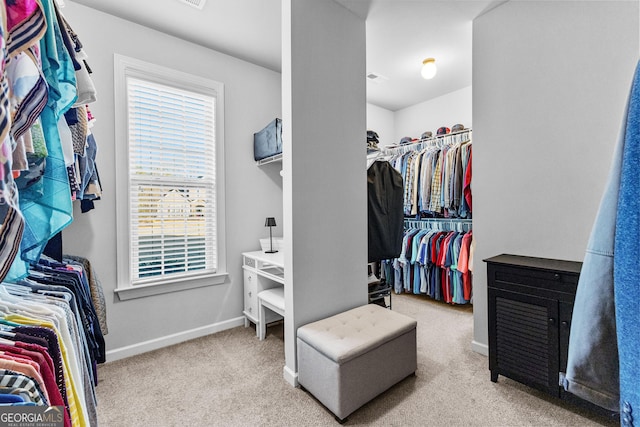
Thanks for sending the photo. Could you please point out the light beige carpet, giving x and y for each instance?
(233, 379)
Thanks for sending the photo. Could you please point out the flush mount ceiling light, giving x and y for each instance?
(429, 69)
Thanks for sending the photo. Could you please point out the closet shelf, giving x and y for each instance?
(437, 141)
(270, 159)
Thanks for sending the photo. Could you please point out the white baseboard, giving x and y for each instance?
(290, 376)
(156, 343)
(480, 348)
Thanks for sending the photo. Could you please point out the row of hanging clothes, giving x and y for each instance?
(52, 311)
(437, 175)
(52, 326)
(47, 150)
(437, 247)
(436, 261)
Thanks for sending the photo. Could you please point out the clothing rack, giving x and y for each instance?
(440, 224)
(60, 307)
(53, 317)
(437, 179)
(435, 141)
(39, 199)
(434, 263)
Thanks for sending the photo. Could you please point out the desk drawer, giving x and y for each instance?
(249, 262)
(251, 293)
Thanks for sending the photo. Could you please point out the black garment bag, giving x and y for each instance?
(385, 211)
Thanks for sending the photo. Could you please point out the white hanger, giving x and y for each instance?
(7, 342)
(6, 333)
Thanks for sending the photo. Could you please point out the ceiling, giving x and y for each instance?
(400, 34)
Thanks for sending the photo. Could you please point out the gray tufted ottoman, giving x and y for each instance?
(348, 359)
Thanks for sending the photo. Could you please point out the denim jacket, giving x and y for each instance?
(625, 269)
(604, 342)
(592, 363)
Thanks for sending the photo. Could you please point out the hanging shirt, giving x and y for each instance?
(13, 380)
(436, 185)
(48, 213)
(11, 218)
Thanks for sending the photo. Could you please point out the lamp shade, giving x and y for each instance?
(270, 222)
(429, 68)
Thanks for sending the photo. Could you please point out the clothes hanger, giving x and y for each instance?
(8, 299)
(14, 289)
(7, 333)
(7, 342)
(19, 296)
(9, 323)
(30, 304)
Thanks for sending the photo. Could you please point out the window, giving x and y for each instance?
(170, 140)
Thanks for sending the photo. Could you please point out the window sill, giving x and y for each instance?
(142, 291)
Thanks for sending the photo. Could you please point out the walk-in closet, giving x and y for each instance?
(415, 244)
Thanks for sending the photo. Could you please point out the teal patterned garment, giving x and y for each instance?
(48, 213)
(11, 220)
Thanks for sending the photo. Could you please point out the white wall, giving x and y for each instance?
(253, 98)
(382, 121)
(325, 189)
(550, 81)
(445, 110)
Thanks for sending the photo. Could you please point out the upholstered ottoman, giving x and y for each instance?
(348, 359)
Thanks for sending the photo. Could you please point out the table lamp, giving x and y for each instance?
(270, 222)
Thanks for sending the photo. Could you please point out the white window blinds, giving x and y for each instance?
(172, 187)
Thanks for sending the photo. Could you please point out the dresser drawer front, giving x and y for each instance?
(249, 262)
(251, 293)
(527, 276)
(530, 281)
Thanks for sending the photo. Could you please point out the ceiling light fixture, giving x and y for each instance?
(429, 69)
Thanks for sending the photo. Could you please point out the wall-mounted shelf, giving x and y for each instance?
(270, 159)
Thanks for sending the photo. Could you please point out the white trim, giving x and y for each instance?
(141, 291)
(479, 347)
(157, 343)
(125, 66)
(290, 376)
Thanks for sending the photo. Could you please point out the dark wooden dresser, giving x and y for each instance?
(530, 306)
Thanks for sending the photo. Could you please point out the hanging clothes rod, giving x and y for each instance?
(435, 141)
(440, 224)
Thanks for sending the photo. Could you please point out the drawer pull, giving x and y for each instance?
(556, 276)
(552, 320)
(250, 309)
(565, 323)
(250, 293)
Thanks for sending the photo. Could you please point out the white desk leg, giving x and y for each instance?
(246, 322)
(262, 320)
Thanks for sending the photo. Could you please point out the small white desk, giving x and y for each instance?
(261, 271)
